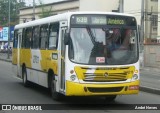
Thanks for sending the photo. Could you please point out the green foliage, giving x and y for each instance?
(45, 12)
(14, 11)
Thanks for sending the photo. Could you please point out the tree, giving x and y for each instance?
(45, 12)
(4, 9)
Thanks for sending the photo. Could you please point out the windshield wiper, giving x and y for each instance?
(91, 35)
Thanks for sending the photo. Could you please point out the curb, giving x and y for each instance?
(150, 90)
(5, 60)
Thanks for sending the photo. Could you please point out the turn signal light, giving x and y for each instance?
(71, 71)
(134, 87)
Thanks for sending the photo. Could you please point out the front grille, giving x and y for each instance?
(102, 90)
(100, 77)
(104, 74)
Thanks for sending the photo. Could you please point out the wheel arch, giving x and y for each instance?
(50, 77)
(23, 68)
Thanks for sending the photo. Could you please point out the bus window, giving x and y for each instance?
(23, 39)
(43, 36)
(28, 37)
(53, 36)
(35, 40)
(15, 40)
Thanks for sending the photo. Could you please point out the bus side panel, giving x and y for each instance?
(25, 60)
(14, 61)
(36, 66)
(14, 56)
(38, 63)
(52, 60)
(48, 62)
(25, 57)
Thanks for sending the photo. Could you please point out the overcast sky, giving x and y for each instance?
(30, 2)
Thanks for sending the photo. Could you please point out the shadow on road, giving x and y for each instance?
(77, 103)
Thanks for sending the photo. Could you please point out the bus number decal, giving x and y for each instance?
(35, 59)
(81, 20)
(100, 59)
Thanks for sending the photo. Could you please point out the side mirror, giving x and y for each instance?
(67, 38)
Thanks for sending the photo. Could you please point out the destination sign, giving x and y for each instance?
(115, 21)
(102, 20)
(99, 20)
(81, 20)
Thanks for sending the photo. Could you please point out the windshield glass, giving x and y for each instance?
(111, 46)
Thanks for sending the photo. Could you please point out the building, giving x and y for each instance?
(151, 19)
(26, 14)
(134, 7)
(150, 16)
(159, 20)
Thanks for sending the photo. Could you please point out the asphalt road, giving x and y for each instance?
(12, 91)
(150, 78)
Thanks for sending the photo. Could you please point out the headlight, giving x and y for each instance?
(73, 77)
(134, 77)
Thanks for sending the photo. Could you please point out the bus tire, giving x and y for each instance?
(24, 75)
(110, 98)
(55, 95)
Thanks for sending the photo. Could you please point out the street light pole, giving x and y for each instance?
(142, 35)
(151, 20)
(33, 10)
(8, 28)
(142, 23)
(121, 6)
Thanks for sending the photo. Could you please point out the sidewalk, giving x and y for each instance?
(149, 78)
(4, 57)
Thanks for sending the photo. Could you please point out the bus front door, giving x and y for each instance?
(63, 28)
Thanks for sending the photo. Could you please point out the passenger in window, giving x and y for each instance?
(112, 39)
(126, 42)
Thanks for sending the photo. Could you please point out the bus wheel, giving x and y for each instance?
(24, 75)
(54, 93)
(110, 98)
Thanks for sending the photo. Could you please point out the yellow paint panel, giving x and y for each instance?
(43, 60)
(25, 57)
(46, 60)
(80, 72)
(14, 56)
(52, 63)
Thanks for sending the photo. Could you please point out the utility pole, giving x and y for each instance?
(121, 6)
(142, 24)
(142, 35)
(151, 20)
(33, 10)
(8, 28)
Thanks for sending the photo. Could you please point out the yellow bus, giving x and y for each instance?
(79, 54)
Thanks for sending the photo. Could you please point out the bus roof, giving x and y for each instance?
(62, 17)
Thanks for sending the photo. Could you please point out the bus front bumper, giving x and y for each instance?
(77, 89)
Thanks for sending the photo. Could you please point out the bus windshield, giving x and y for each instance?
(103, 46)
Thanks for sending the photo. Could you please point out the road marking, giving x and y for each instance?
(17, 78)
